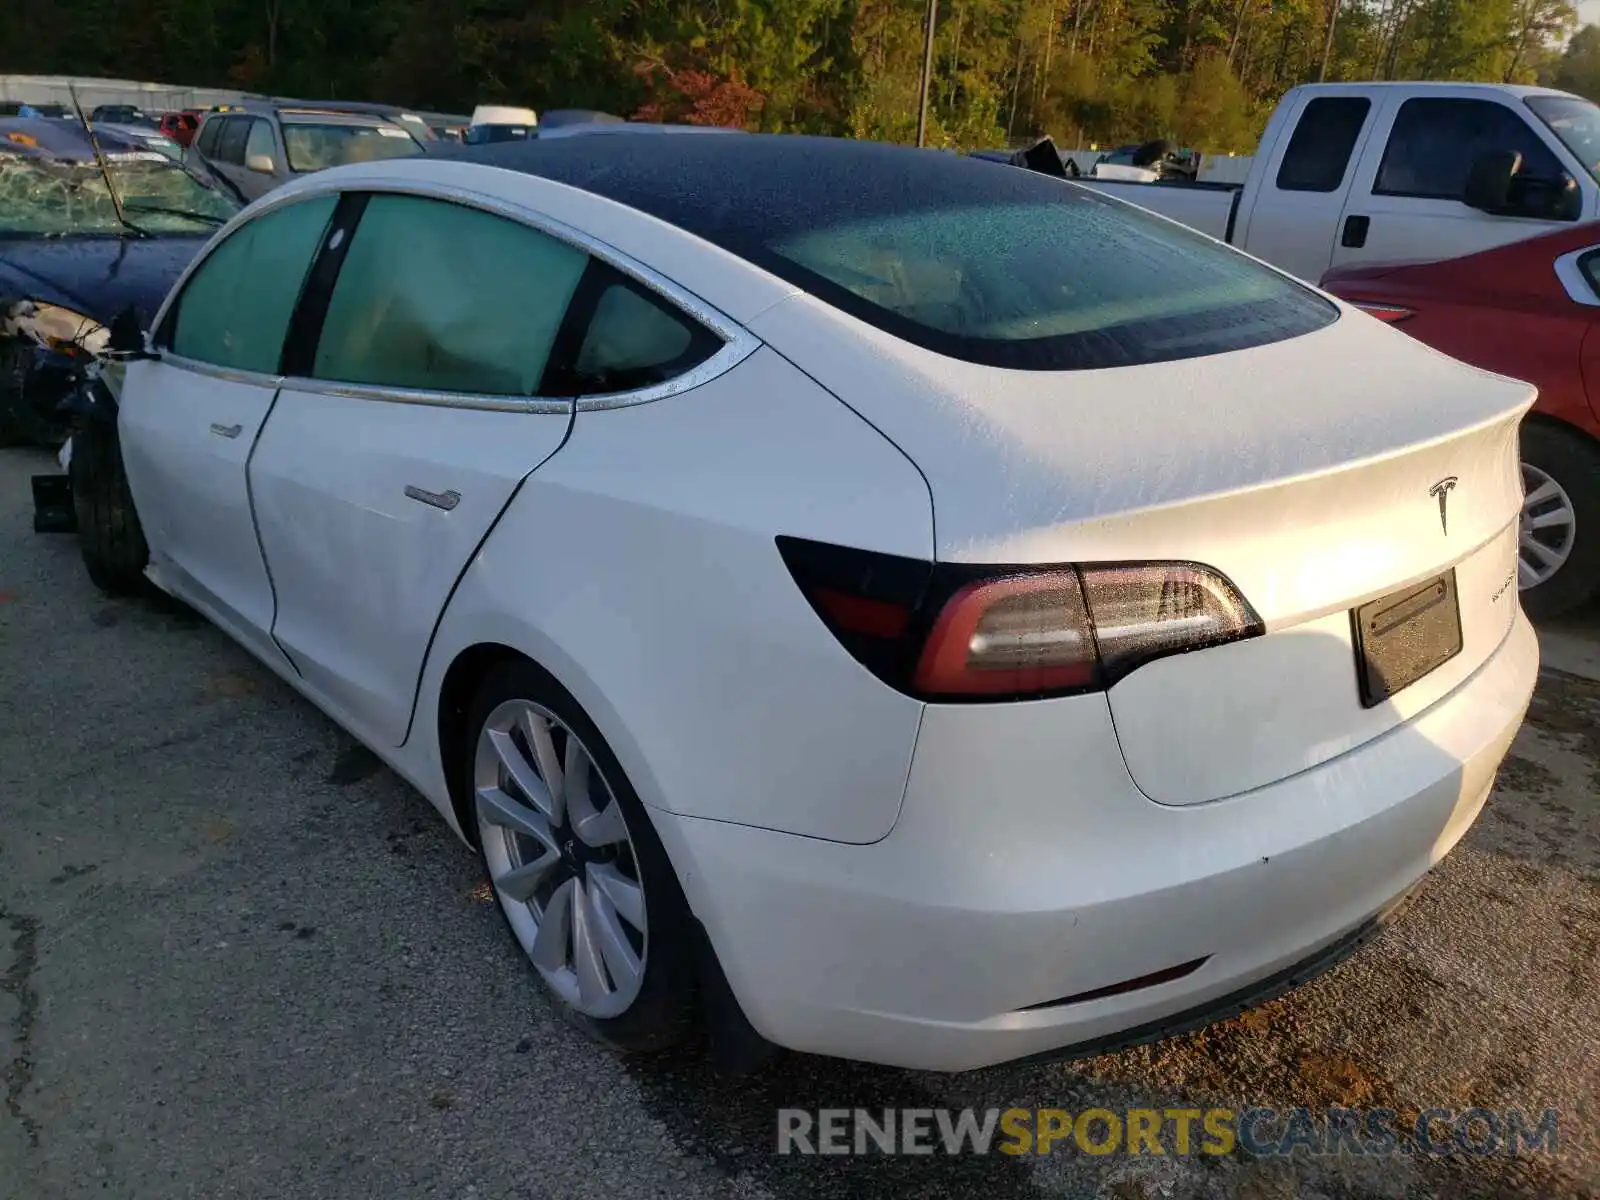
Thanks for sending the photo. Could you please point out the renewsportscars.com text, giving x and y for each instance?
(1261, 1132)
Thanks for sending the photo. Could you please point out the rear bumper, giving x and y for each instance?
(1026, 867)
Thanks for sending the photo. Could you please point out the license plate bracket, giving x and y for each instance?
(1401, 637)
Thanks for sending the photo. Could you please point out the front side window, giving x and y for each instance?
(235, 309)
(316, 147)
(439, 297)
(1435, 142)
(1319, 152)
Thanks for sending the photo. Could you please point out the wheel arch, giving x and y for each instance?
(462, 680)
(471, 663)
(1561, 425)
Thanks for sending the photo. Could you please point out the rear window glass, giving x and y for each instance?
(1068, 283)
(318, 147)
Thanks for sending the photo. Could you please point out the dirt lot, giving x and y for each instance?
(238, 958)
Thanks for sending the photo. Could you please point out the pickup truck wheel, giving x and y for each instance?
(1558, 551)
(110, 537)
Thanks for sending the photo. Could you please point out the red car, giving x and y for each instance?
(180, 126)
(1530, 310)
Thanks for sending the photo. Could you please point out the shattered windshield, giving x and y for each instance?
(45, 196)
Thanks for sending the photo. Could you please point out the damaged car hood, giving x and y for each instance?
(95, 276)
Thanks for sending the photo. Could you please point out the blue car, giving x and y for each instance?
(79, 244)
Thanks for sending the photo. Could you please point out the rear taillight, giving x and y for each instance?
(1391, 314)
(1016, 635)
(951, 632)
(1146, 611)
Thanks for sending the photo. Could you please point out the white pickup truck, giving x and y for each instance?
(1397, 172)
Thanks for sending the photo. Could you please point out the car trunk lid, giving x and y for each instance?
(1317, 474)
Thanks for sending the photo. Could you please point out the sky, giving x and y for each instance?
(1588, 10)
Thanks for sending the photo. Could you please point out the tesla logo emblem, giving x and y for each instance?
(1442, 490)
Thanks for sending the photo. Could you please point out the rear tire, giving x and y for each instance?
(519, 706)
(1570, 515)
(110, 537)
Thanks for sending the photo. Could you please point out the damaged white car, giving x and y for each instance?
(865, 600)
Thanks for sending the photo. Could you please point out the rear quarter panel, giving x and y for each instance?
(639, 567)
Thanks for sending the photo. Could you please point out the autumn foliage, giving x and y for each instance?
(696, 97)
(1201, 73)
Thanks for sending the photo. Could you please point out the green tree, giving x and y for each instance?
(1578, 68)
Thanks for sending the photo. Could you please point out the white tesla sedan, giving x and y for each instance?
(927, 611)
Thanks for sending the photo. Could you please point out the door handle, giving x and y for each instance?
(227, 431)
(1355, 232)
(444, 500)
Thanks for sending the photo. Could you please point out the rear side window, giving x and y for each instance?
(482, 135)
(1319, 152)
(439, 297)
(1073, 282)
(1434, 143)
(230, 142)
(234, 311)
(632, 339)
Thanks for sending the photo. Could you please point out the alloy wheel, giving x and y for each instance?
(561, 858)
(1548, 528)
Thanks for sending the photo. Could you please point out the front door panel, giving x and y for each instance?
(1406, 200)
(369, 510)
(186, 441)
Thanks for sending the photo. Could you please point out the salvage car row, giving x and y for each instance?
(912, 609)
(87, 230)
(95, 223)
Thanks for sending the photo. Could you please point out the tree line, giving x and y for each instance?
(1204, 73)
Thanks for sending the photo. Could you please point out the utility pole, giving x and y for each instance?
(927, 73)
(1327, 45)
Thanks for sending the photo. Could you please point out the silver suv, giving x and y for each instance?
(258, 146)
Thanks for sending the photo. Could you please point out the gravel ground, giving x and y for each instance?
(240, 958)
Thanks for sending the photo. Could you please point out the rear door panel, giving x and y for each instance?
(369, 510)
(1291, 222)
(407, 423)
